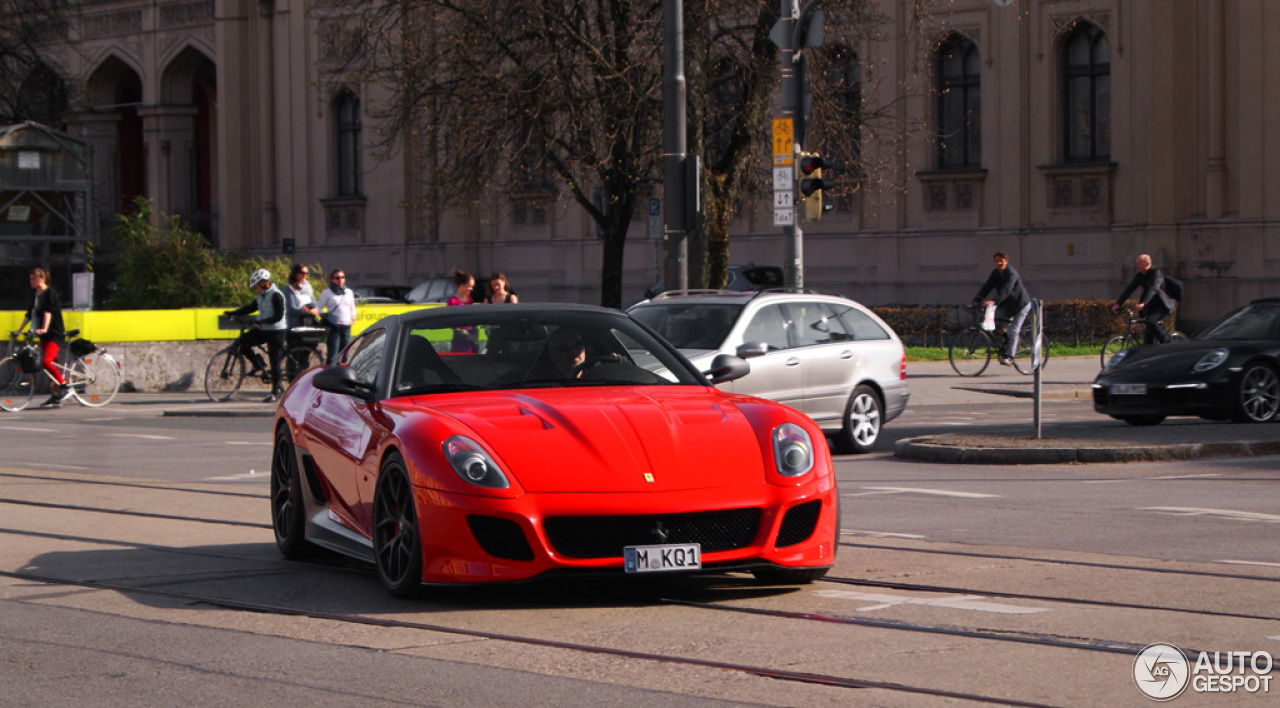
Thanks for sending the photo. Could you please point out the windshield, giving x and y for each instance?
(1257, 321)
(492, 347)
(690, 325)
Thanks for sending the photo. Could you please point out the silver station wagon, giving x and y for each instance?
(824, 355)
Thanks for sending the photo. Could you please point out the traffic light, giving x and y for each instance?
(812, 184)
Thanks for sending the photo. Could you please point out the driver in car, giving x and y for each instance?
(567, 352)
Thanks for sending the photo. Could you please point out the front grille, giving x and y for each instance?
(606, 536)
(799, 523)
(500, 538)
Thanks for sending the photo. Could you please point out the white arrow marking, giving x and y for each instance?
(882, 601)
(1224, 513)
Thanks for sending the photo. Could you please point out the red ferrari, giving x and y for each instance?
(498, 443)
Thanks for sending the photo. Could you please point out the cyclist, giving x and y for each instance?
(46, 322)
(270, 326)
(1155, 304)
(1010, 298)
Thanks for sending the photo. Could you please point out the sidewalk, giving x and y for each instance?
(935, 383)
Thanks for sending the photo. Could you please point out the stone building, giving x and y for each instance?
(1071, 134)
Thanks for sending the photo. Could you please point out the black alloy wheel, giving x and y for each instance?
(397, 546)
(288, 511)
(1258, 394)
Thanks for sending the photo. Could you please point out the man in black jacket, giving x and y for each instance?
(1010, 298)
(1154, 305)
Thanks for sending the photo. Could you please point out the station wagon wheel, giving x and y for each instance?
(397, 546)
(862, 419)
(288, 512)
(1258, 395)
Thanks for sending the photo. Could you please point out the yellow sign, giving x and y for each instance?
(783, 142)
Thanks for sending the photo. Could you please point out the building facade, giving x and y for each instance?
(1071, 134)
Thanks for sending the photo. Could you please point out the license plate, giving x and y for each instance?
(662, 558)
(1129, 389)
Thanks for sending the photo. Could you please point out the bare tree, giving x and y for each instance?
(29, 88)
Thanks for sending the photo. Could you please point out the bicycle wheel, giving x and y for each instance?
(1117, 343)
(970, 352)
(298, 360)
(16, 386)
(1022, 361)
(225, 373)
(94, 379)
(1176, 336)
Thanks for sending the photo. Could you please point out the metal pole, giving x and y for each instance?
(674, 147)
(1037, 359)
(792, 234)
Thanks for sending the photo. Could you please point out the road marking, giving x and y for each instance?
(144, 437)
(881, 534)
(914, 490)
(101, 420)
(47, 464)
(251, 474)
(27, 430)
(1262, 563)
(976, 603)
(1224, 513)
(1147, 479)
(246, 442)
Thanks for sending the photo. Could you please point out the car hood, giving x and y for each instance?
(612, 440)
(1178, 358)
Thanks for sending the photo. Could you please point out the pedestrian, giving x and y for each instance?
(464, 338)
(1010, 299)
(500, 290)
(45, 318)
(464, 283)
(269, 327)
(338, 303)
(300, 298)
(1154, 305)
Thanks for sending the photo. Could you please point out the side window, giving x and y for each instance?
(816, 324)
(365, 355)
(769, 325)
(860, 325)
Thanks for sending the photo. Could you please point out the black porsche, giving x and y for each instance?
(1229, 371)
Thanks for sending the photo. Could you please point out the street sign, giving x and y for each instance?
(784, 217)
(655, 218)
(783, 179)
(784, 199)
(783, 141)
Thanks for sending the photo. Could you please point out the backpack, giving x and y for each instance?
(1173, 287)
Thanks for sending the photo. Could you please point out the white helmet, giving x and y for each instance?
(259, 275)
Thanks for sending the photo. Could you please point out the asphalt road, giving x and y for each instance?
(137, 565)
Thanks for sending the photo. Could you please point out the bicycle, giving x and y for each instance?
(227, 368)
(93, 375)
(972, 347)
(1134, 331)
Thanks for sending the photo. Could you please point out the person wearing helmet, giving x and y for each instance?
(269, 326)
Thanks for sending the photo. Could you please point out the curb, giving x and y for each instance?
(938, 449)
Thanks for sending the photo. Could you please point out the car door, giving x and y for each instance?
(342, 435)
(776, 373)
(827, 357)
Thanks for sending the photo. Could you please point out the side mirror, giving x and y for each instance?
(727, 367)
(340, 379)
(749, 350)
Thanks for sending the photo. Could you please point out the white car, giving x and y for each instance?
(824, 355)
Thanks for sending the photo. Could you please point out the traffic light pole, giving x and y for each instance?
(675, 149)
(792, 234)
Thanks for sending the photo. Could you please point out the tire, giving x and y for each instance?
(783, 576)
(288, 510)
(397, 546)
(95, 379)
(970, 352)
(1116, 344)
(1141, 420)
(16, 386)
(863, 416)
(1257, 395)
(298, 360)
(1022, 361)
(223, 376)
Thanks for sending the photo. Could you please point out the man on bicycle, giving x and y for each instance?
(1155, 304)
(270, 326)
(1011, 301)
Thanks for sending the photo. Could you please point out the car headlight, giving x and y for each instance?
(792, 450)
(473, 464)
(1209, 361)
(1116, 359)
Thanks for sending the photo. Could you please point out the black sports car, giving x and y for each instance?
(1229, 371)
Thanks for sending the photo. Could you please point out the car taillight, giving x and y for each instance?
(902, 373)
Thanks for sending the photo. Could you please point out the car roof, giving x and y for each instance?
(737, 297)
